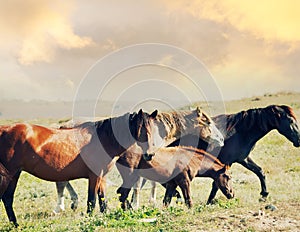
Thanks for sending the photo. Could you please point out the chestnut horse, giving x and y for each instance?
(87, 151)
(241, 132)
(171, 126)
(178, 166)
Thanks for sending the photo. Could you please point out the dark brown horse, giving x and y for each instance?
(177, 166)
(87, 151)
(171, 126)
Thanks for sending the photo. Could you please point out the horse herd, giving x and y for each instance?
(169, 148)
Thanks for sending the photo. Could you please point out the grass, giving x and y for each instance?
(35, 199)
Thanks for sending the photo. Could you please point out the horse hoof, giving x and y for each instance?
(58, 209)
(74, 206)
(212, 202)
(264, 194)
(271, 207)
(262, 199)
(179, 201)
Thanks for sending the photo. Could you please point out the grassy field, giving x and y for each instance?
(35, 199)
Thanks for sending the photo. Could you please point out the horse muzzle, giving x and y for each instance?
(230, 194)
(148, 157)
(297, 144)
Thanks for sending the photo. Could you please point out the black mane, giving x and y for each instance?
(260, 118)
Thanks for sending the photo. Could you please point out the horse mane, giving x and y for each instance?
(262, 117)
(172, 122)
(231, 123)
(289, 111)
(176, 122)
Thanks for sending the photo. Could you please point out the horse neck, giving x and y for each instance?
(255, 123)
(210, 166)
(175, 125)
(114, 135)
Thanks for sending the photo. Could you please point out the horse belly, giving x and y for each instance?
(161, 174)
(75, 170)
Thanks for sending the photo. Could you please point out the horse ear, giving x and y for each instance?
(199, 111)
(140, 113)
(154, 114)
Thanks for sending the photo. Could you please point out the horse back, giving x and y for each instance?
(57, 148)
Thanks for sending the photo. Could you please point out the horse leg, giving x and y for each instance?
(213, 193)
(8, 198)
(74, 196)
(170, 189)
(135, 199)
(124, 191)
(152, 199)
(92, 191)
(175, 194)
(60, 206)
(186, 192)
(101, 194)
(4, 182)
(123, 195)
(250, 165)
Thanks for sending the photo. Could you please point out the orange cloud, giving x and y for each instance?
(266, 19)
(38, 27)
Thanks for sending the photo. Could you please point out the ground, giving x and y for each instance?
(35, 199)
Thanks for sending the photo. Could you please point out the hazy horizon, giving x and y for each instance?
(48, 47)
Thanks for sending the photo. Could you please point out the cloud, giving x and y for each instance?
(269, 20)
(38, 27)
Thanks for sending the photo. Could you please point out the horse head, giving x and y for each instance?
(224, 182)
(146, 132)
(208, 130)
(286, 123)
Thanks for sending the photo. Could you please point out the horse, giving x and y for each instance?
(241, 132)
(178, 166)
(171, 126)
(86, 151)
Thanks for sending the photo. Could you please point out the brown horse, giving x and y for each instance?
(87, 151)
(177, 166)
(172, 126)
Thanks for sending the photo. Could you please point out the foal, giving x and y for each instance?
(178, 166)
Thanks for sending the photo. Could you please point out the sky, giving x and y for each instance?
(48, 47)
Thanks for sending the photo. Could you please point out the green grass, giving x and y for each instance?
(35, 199)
